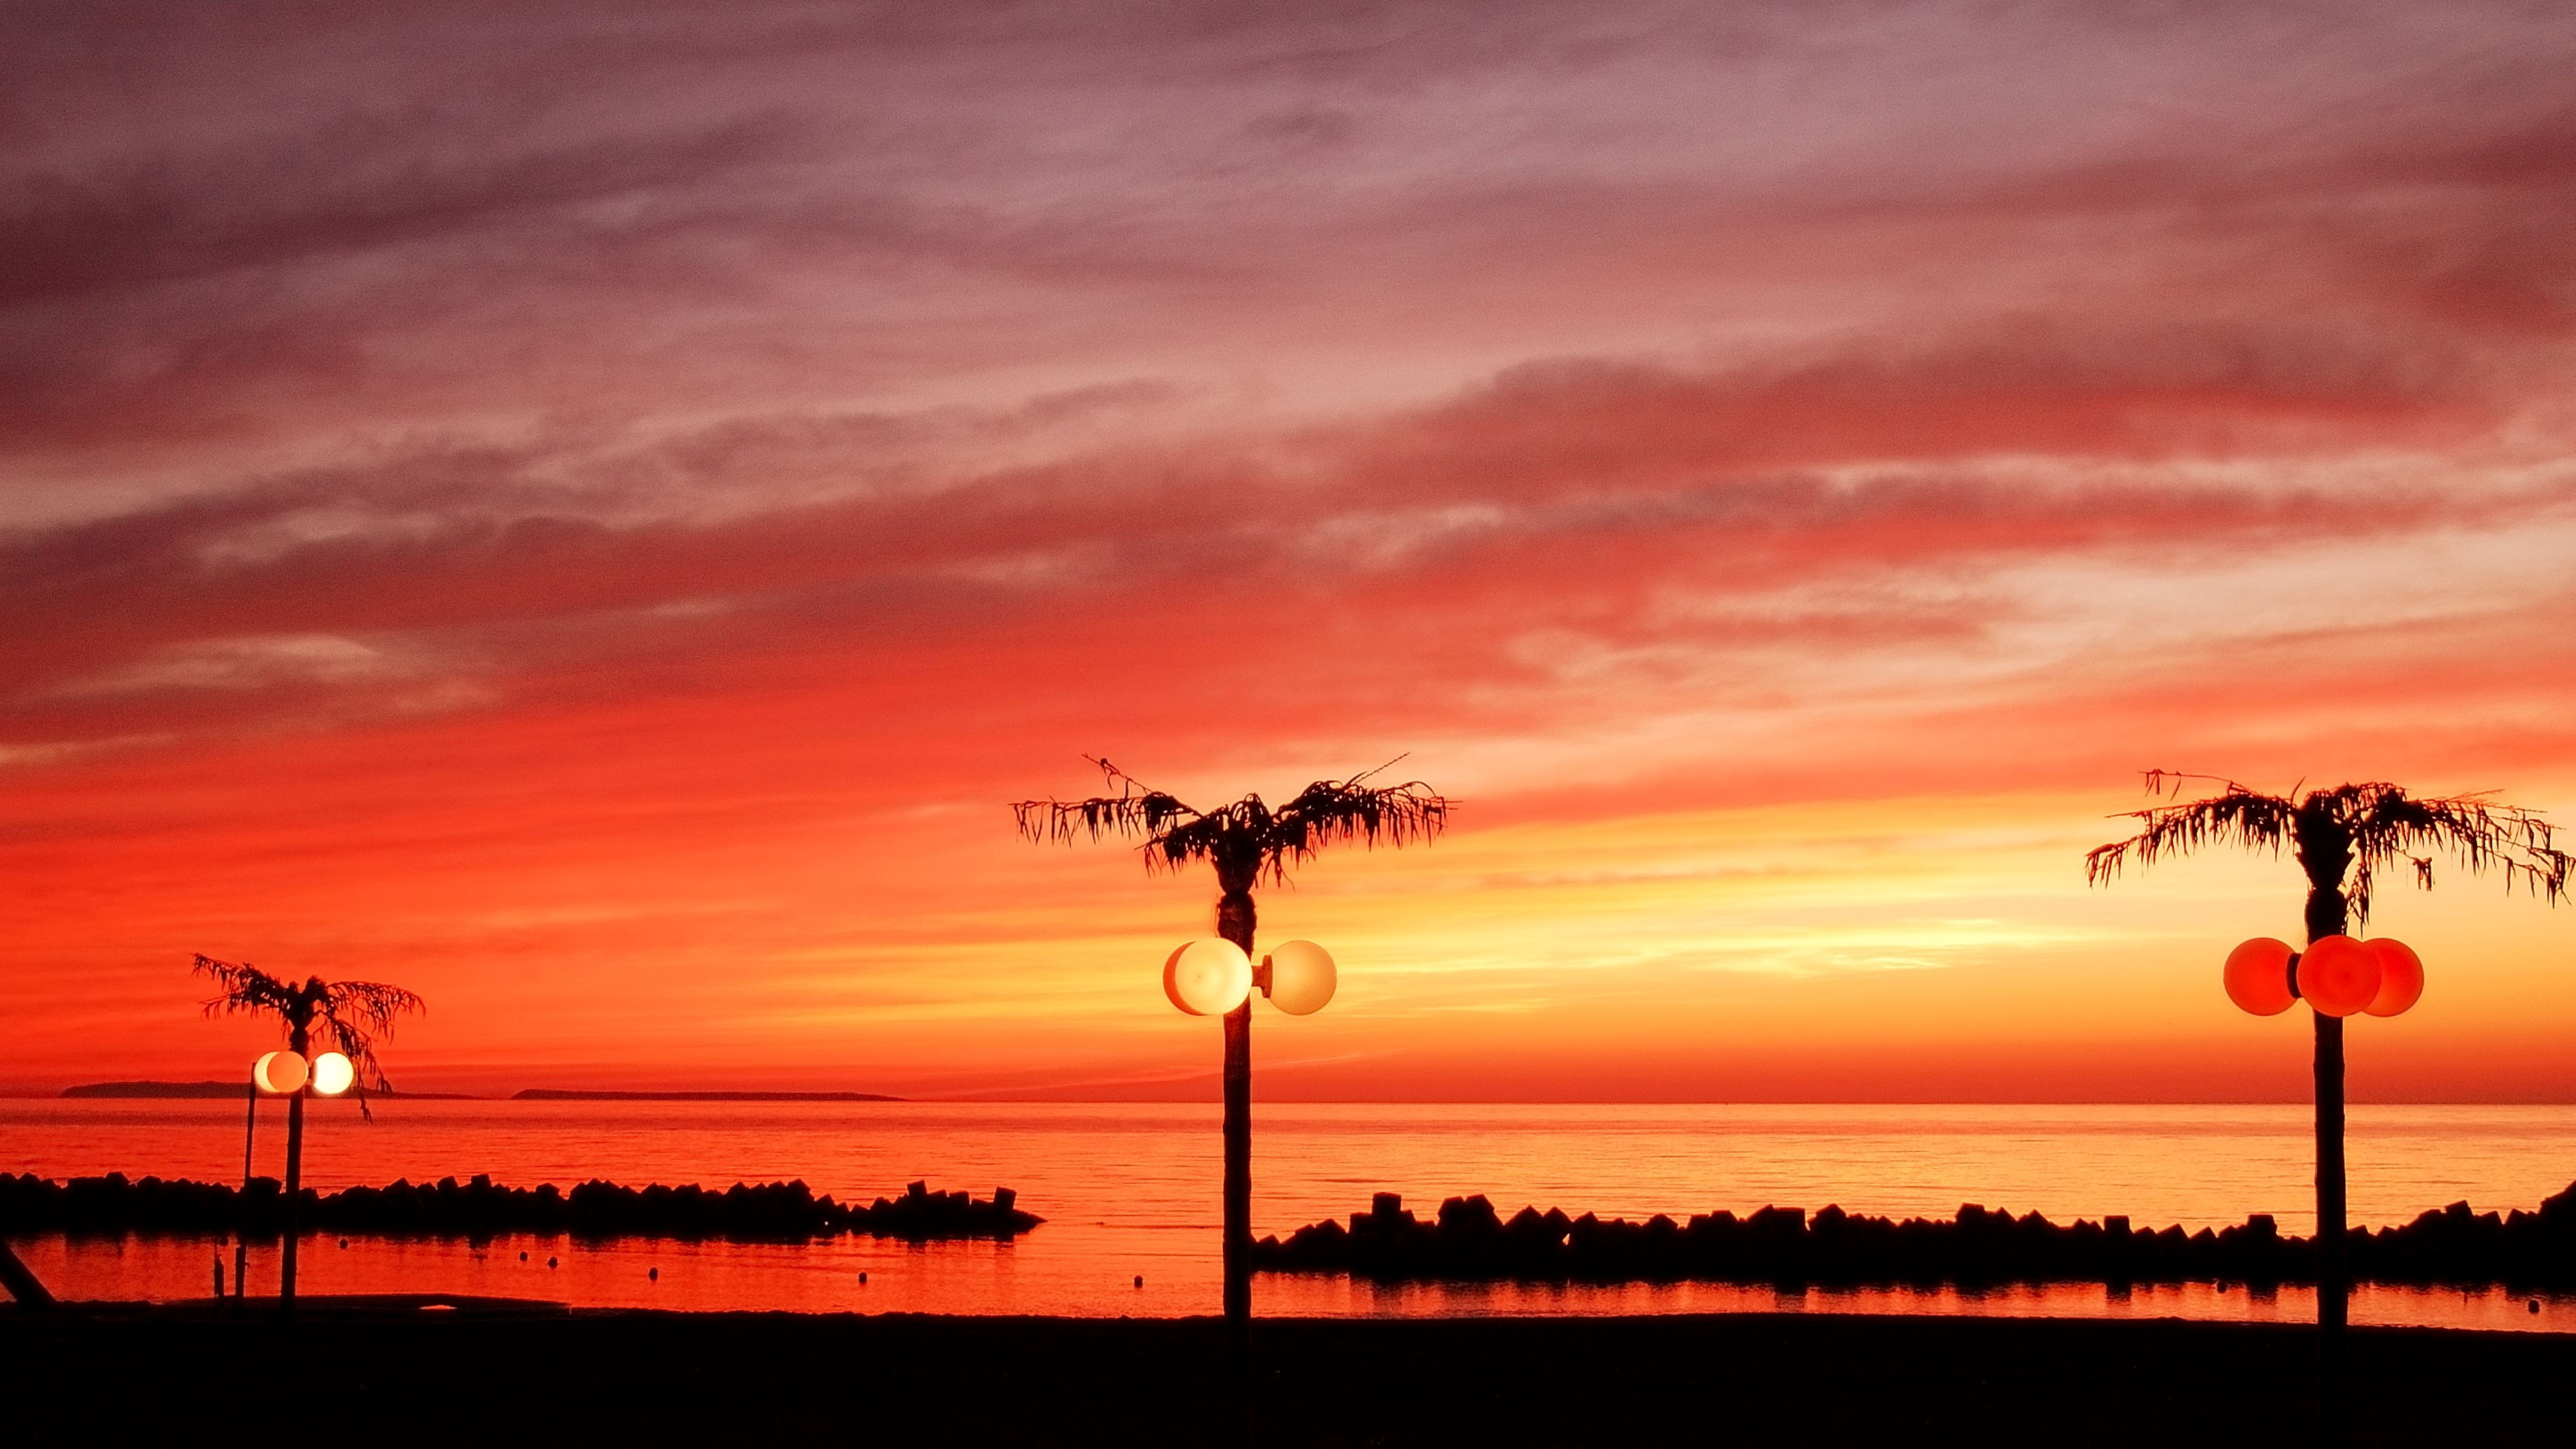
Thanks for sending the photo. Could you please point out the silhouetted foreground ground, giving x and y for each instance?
(395, 1375)
(1469, 1241)
(766, 1212)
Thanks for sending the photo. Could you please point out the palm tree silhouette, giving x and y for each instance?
(350, 1016)
(1249, 844)
(2342, 838)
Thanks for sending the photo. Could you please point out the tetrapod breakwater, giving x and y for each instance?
(1467, 1240)
(479, 1207)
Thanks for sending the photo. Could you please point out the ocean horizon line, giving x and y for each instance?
(233, 1091)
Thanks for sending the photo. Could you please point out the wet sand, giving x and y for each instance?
(385, 1372)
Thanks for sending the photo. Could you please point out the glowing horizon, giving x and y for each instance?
(593, 517)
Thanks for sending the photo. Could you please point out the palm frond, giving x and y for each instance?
(1246, 840)
(354, 1013)
(1331, 811)
(2354, 830)
(1134, 810)
(246, 988)
(350, 1015)
(2234, 815)
(2388, 825)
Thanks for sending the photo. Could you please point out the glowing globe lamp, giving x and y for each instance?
(2258, 976)
(278, 1072)
(1301, 977)
(2401, 977)
(2338, 975)
(332, 1074)
(1208, 977)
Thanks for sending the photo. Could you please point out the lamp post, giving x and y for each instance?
(290, 1075)
(2342, 838)
(2339, 977)
(272, 1074)
(1248, 842)
(1215, 977)
(352, 1014)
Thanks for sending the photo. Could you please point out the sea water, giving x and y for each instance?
(1131, 1190)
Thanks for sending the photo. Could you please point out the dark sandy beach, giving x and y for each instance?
(391, 1373)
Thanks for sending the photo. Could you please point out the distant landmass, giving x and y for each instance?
(220, 1089)
(233, 1090)
(557, 1094)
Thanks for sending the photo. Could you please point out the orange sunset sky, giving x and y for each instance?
(593, 511)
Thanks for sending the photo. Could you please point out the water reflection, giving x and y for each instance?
(1131, 1190)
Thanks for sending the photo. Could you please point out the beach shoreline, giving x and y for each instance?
(393, 1372)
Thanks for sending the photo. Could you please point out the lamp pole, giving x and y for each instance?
(1238, 1176)
(290, 1074)
(299, 1042)
(1236, 926)
(241, 1229)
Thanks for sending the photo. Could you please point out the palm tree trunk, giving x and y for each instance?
(2328, 914)
(302, 1045)
(2333, 1285)
(294, 1192)
(1236, 920)
(1238, 1167)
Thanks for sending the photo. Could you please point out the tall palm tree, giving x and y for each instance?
(350, 1015)
(1249, 843)
(2342, 838)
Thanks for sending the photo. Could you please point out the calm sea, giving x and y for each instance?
(1131, 1191)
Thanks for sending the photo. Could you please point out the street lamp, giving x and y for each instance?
(350, 1013)
(1215, 977)
(271, 1074)
(286, 1074)
(2338, 977)
(333, 1074)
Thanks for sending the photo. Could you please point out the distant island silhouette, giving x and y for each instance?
(228, 1090)
(233, 1090)
(563, 1094)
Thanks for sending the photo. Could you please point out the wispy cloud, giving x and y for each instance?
(660, 460)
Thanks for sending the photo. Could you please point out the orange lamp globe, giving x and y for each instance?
(2258, 976)
(278, 1072)
(1301, 977)
(2338, 975)
(2401, 977)
(333, 1074)
(1208, 977)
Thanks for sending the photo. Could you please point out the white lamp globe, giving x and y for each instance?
(278, 1072)
(1208, 977)
(1301, 977)
(332, 1074)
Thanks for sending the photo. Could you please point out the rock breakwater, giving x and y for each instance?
(1468, 1241)
(766, 1212)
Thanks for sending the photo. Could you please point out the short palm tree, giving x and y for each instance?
(2342, 838)
(1249, 843)
(350, 1015)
